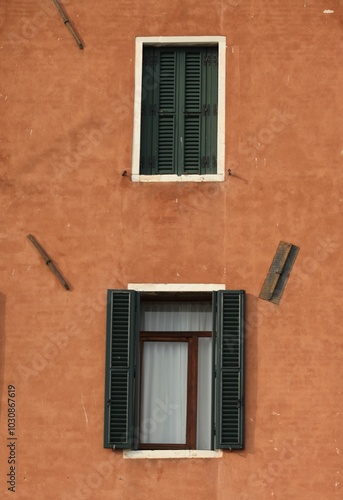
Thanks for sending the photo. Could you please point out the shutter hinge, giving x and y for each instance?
(206, 110)
(152, 109)
(207, 60)
(215, 59)
(108, 402)
(150, 59)
(151, 161)
(205, 161)
(215, 109)
(214, 162)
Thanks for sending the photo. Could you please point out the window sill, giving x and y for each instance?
(173, 454)
(178, 178)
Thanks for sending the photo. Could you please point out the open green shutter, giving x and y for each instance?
(120, 365)
(230, 370)
(214, 364)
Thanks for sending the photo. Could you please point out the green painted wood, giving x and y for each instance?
(193, 99)
(230, 370)
(167, 115)
(177, 135)
(148, 118)
(212, 117)
(214, 368)
(119, 387)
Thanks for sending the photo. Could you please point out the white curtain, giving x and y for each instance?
(164, 374)
(176, 317)
(204, 393)
(164, 391)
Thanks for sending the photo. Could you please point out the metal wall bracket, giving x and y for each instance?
(48, 261)
(206, 110)
(205, 161)
(68, 25)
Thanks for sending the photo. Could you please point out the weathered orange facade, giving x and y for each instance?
(67, 127)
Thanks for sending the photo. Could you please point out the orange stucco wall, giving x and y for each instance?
(67, 124)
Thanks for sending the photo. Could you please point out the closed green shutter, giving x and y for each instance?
(230, 370)
(166, 111)
(193, 119)
(120, 365)
(200, 110)
(179, 110)
(149, 124)
(210, 125)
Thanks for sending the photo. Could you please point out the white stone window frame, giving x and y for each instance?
(174, 287)
(220, 42)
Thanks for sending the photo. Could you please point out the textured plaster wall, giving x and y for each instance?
(67, 124)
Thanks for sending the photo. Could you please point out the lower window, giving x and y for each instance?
(175, 370)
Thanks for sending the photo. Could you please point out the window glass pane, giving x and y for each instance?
(176, 316)
(164, 392)
(204, 393)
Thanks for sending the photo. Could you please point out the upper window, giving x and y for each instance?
(175, 370)
(179, 109)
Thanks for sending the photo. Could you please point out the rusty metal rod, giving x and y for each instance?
(48, 261)
(67, 23)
